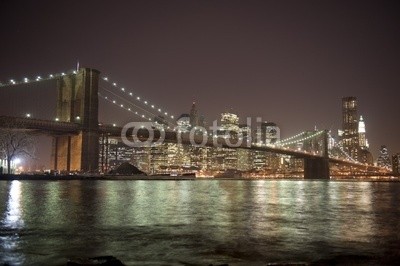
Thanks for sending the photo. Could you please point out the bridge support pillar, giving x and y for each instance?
(77, 102)
(316, 168)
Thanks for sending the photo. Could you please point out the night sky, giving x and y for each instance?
(289, 62)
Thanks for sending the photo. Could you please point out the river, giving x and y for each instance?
(197, 222)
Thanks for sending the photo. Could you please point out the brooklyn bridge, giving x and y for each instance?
(76, 130)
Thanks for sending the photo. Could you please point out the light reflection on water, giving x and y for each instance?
(199, 222)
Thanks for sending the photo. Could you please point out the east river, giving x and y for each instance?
(198, 222)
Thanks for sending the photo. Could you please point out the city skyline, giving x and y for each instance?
(223, 55)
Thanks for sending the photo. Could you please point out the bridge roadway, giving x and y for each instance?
(51, 127)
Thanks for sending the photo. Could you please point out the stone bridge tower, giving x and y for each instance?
(77, 102)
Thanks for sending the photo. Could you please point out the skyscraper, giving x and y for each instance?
(350, 126)
(194, 119)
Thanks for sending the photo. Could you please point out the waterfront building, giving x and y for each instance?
(396, 163)
(113, 153)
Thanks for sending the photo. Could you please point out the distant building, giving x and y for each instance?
(113, 153)
(229, 124)
(183, 123)
(194, 118)
(269, 133)
(396, 163)
(383, 158)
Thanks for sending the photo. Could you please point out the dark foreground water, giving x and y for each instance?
(197, 222)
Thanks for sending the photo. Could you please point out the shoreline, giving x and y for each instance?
(177, 178)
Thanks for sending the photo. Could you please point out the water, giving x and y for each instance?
(197, 222)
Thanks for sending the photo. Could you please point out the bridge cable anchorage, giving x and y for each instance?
(13, 82)
(139, 99)
(141, 115)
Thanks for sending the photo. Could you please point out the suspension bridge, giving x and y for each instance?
(76, 130)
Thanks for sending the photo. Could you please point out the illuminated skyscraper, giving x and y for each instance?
(350, 126)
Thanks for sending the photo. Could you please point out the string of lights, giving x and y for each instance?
(126, 100)
(303, 139)
(139, 99)
(290, 138)
(129, 109)
(27, 80)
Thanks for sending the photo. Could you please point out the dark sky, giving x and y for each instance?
(289, 62)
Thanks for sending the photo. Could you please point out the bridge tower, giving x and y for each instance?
(318, 167)
(77, 102)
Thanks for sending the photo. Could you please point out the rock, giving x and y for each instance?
(102, 260)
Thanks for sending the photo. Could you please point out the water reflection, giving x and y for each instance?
(11, 223)
(13, 216)
(235, 222)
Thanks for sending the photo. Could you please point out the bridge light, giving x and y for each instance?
(57, 119)
(78, 118)
(28, 115)
(105, 78)
(114, 84)
(129, 109)
(172, 116)
(159, 110)
(149, 119)
(106, 97)
(143, 116)
(166, 113)
(136, 113)
(130, 93)
(113, 101)
(145, 102)
(138, 98)
(122, 89)
(122, 105)
(114, 125)
(152, 106)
